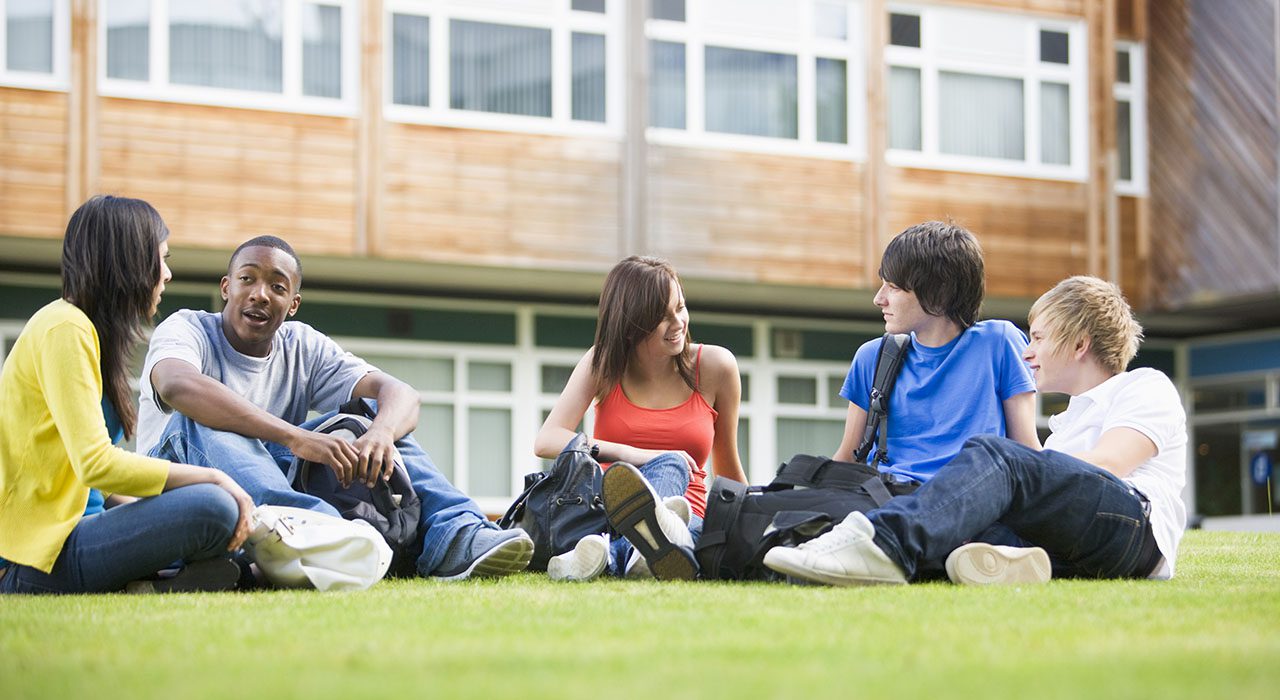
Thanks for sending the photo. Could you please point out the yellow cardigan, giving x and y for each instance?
(53, 442)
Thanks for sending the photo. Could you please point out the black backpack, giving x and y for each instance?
(561, 506)
(391, 507)
(807, 497)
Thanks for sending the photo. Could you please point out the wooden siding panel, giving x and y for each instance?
(33, 162)
(1062, 8)
(1032, 231)
(778, 219)
(481, 197)
(221, 175)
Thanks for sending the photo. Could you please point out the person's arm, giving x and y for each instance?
(397, 417)
(855, 422)
(1120, 451)
(208, 402)
(1020, 419)
(719, 363)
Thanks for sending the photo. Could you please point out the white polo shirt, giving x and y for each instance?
(1146, 401)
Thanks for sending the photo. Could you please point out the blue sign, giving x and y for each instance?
(1260, 468)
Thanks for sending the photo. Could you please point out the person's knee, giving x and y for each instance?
(212, 508)
(986, 442)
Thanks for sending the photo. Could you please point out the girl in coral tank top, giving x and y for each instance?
(663, 406)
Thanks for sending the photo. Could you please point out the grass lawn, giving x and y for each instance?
(1212, 632)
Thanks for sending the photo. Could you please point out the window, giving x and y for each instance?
(986, 92)
(297, 55)
(760, 75)
(1131, 120)
(506, 64)
(36, 43)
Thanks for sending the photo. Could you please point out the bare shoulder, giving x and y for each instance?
(718, 364)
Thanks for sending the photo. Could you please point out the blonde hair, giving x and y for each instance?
(1087, 307)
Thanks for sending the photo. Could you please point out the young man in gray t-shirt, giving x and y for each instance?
(233, 390)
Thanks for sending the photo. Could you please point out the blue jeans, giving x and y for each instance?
(1091, 523)
(260, 466)
(668, 474)
(109, 549)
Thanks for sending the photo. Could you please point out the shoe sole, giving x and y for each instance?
(559, 568)
(795, 570)
(631, 508)
(206, 575)
(982, 564)
(506, 558)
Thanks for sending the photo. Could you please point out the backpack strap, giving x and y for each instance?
(893, 352)
(724, 502)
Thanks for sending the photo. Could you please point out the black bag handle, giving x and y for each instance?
(893, 351)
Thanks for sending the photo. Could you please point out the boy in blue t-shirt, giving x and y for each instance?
(962, 377)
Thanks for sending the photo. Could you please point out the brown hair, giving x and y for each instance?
(1087, 307)
(633, 302)
(941, 263)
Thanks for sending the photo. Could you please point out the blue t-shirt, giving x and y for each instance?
(945, 395)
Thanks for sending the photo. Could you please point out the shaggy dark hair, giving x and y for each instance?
(942, 264)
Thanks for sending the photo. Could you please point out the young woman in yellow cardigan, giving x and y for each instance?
(64, 401)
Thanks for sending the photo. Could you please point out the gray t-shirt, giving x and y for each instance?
(306, 371)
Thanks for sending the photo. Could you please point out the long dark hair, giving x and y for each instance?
(110, 269)
(633, 302)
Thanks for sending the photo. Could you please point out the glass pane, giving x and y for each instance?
(904, 30)
(833, 101)
(744, 444)
(435, 435)
(834, 384)
(1122, 66)
(489, 376)
(1055, 123)
(745, 379)
(588, 77)
(321, 51)
(666, 84)
(1053, 47)
(129, 39)
(751, 92)
(798, 390)
(29, 35)
(226, 45)
(667, 9)
(831, 20)
(814, 436)
(554, 377)
(588, 5)
(421, 373)
(904, 108)
(1224, 483)
(489, 447)
(984, 116)
(500, 68)
(410, 59)
(1230, 396)
(1124, 140)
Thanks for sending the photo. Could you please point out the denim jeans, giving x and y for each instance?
(668, 474)
(260, 467)
(109, 549)
(1091, 523)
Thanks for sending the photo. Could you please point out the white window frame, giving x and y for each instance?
(1135, 93)
(290, 99)
(1032, 73)
(59, 79)
(563, 23)
(807, 49)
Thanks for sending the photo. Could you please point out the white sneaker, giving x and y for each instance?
(584, 562)
(654, 529)
(636, 567)
(982, 564)
(845, 556)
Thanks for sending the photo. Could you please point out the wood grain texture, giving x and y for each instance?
(33, 162)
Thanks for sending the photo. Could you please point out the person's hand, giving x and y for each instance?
(245, 523)
(332, 450)
(375, 451)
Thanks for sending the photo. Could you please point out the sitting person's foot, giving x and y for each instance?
(982, 564)
(636, 567)
(845, 556)
(215, 574)
(584, 562)
(656, 532)
(485, 551)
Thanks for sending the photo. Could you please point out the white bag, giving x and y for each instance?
(297, 548)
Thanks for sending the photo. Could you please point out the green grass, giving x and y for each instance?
(1212, 632)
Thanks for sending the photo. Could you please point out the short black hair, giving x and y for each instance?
(942, 264)
(267, 242)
